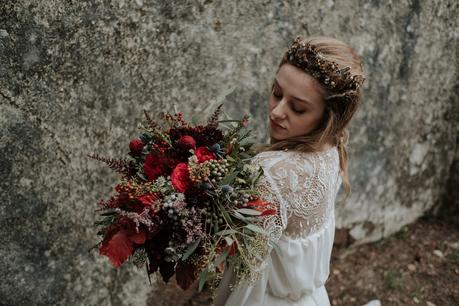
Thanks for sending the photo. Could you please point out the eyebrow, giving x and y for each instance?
(301, 100)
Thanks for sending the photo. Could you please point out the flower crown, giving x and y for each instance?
(305, 56)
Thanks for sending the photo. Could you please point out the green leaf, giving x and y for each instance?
(229, 178)
(221, 258)
(229, 240)
(202, 279)
(229, 158)
(142, 176)
(226, 232)
(225, 213)
(109, 213)
(248, 211)
(195, 120)
(191, 249)
(245, 155)
(260, 173)
(239, 216)
(256, 228)
(233, 120)
(247, 141)
(240, 180)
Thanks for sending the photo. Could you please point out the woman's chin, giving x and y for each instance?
(276, 135)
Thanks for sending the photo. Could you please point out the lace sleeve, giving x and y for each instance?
(297, 183)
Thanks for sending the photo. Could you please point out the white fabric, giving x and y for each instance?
(304, 188)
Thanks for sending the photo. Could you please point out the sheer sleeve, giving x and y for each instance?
(296, 183)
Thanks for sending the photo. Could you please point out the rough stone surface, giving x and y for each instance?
(76, 75)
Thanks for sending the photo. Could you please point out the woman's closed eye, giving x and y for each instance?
(278, 96)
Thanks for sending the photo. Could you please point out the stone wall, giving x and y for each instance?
(75, 77)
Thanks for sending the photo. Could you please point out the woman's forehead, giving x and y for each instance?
(298, 83)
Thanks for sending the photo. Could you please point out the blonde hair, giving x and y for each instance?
(338, 112)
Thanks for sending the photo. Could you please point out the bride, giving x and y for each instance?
(316, 91)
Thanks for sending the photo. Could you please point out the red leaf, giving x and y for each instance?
(185, 274)
(117, 248)
(221, 267)
(268, 212)
(137, 237)
(232, 249)
(166, 269)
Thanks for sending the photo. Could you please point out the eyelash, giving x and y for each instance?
(277, 96)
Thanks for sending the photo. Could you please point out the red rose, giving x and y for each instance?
(180, 177)
(136, 146)
(187, 142)
(203, 154)
(153, 166)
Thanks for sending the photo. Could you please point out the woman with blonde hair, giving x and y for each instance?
(315, 94)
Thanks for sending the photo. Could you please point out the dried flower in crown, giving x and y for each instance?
(305, 56)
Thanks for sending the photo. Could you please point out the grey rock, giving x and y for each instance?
(75, 78)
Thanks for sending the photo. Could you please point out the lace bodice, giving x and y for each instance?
(302, 185)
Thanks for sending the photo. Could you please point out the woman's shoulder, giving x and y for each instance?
(329, 151)
(298, 162)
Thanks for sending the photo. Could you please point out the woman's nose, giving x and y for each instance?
(278, 111)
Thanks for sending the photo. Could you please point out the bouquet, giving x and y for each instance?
(186, 202)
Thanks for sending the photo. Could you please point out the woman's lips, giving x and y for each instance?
(275, 125)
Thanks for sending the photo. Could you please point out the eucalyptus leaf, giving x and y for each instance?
(234, 120)
(239, 216)
(226, 232)
(229, 158)
(142, 176)
(248, 211)
(221, 258)
(247, 141)
(229, 240)
(256, 228)
(229, 178)
(225, 213)
(195, 120)
(191, 249)
(245, 155)
(202, 279)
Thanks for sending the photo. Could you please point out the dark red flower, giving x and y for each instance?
(154, 166)
(203, 154)
(136, 146)
(187, 142)
(180, 177)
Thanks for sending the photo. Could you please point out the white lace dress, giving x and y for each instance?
(304, 187)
